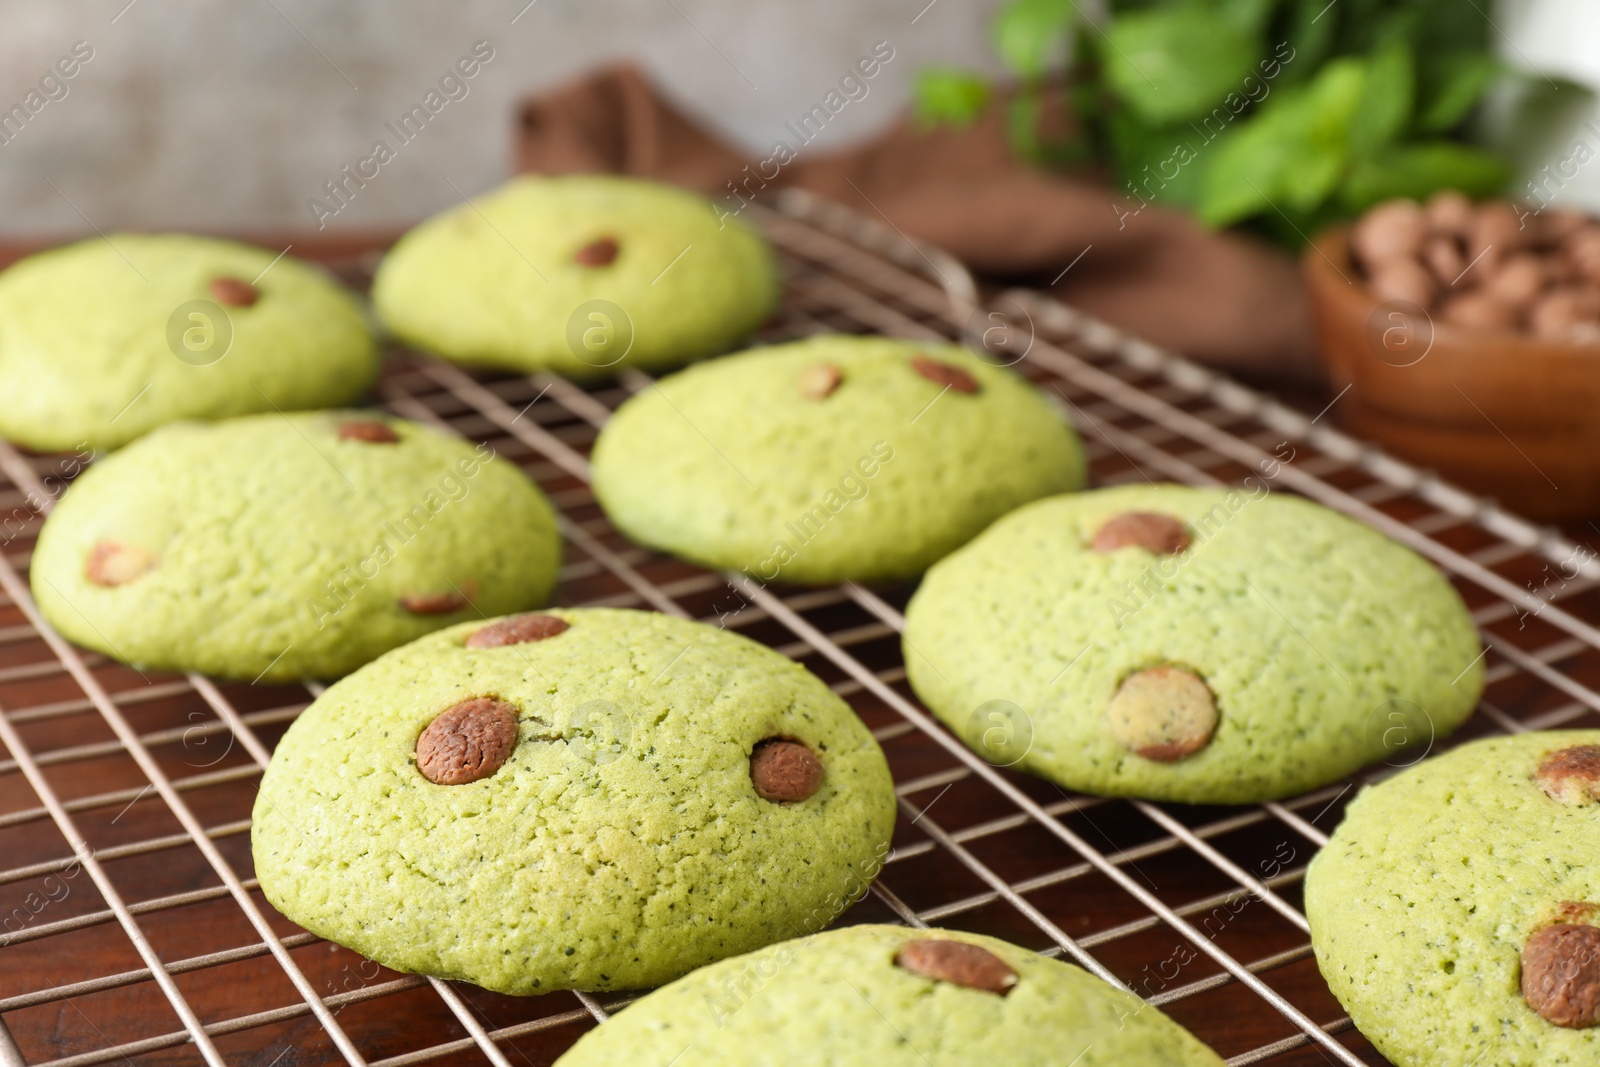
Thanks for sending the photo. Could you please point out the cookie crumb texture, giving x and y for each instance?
(502, 282)
(274, 547)
(1437, 891)
(1325, 645)
(83, 334)
(840, 998)
(731, 464)
(620, 845)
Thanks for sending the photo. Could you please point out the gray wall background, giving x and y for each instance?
(229, 114)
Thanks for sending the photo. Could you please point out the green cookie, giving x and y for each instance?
(598, 816)
(1435, 908)
(887, 996)
(837, 458)
(1203, 645)
(293, 546)
(584, 275)
(104, 340)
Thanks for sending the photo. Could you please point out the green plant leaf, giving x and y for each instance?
(1445, 26)
(1386, 95)
(1251, 15)
(1173, 63)
(1156, 162)
(1290, 155)
(949, 96)
(1027, 33)
(1418, 170)
(1308, 38)
(1450, 85)
(1022, 123)
(1247, 172)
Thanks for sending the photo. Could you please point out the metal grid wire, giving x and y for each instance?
(132, 927)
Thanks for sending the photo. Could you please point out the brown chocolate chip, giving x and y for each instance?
(1478, 311)
(1163, 714)
(1402, 279)
(467, 741)
(819, 380)
(517, 630)
(1392, 230)
(234, 292)
(949, 374)
(1576, 911)
(784, 771)
(439, 603)
(1571, 775)
(1517, 281)
(368, 430)
(1561, 974)
(113, 563)
(1559, 313)
(958, 963)
(599, 253)
(1161, 534)
(1443, 257)
(1449, 212)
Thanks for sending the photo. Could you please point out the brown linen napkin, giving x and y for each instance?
(1227, 299)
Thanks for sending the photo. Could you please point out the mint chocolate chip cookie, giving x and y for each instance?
(1456, 911)
(584, 275)
(107, 339)
(580, 799)
(836, 458)
(890, 996)
(275, 547)
(1201, 645)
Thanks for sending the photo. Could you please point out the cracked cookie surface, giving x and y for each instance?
(1454, 911)
(104, 340)
(275, 547)
(587, 275)
(847, 997)
(1311, 645)
(866, 469)
(622, 841)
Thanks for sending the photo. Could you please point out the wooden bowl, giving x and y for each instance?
(1501, 414)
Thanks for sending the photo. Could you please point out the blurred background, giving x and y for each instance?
(1305, 193)
(216, 115)
(227, 115)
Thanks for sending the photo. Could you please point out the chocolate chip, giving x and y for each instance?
(1478, 311)
(949, 374)
(958, 963)
(1576, 911)
(819, 380)
(1161, 534)
(1392, 230)
(233, 292)
(1571, 775)
(467, 741)
(517, 630)
(435, 603)
(784, 771)
(1163, 714)
(599, 253)
(369, 430)
(1402, 279)
(112, 563)
(1561, 975)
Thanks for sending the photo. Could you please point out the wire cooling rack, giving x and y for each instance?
(131, 927)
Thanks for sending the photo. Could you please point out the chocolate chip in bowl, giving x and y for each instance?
(1465, 338)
